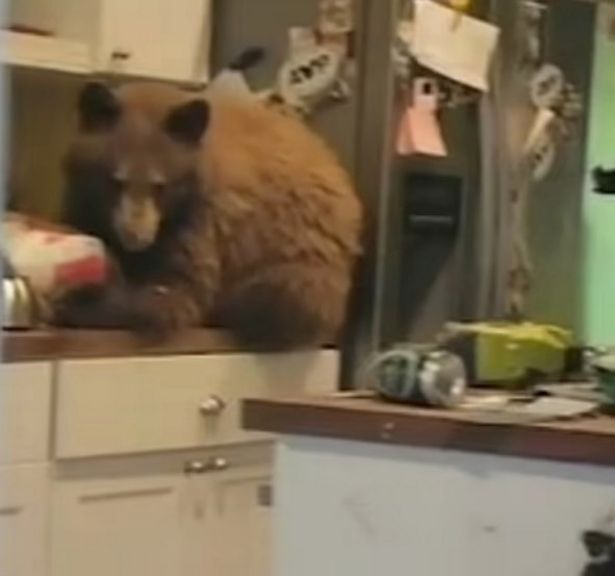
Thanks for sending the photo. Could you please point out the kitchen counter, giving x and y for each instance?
(589, 440)
(375, 487)
(50, 344)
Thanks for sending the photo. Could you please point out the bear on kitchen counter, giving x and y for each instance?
(214, 213)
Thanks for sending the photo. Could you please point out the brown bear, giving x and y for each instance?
(214, 212)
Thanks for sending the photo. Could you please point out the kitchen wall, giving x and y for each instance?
(599, 211)
(42, 117)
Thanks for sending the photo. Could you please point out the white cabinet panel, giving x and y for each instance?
(147, 515)
(122, 518)
(24, 492)
(364, 509)
(160, 39)
(157, 38)
(25, 396)
(241, 522)
(120, 406)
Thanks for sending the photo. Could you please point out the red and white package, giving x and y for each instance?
(54, 259)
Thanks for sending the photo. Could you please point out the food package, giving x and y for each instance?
(53, 259)
(509, 353)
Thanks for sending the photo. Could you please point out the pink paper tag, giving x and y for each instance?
(419, 130)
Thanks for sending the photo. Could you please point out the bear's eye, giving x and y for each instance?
(115, 186)
(120, 173)
(158, 188)
(158, 183)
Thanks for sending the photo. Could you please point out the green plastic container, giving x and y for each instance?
(604, 367)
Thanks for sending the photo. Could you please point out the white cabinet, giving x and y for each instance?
(25, 408)
(154, 474)
(363, 509)
(240, 512)
(182, 514)
(139, 465)
(24, 532)
(159, 39)
(166, 39)
(120, 518)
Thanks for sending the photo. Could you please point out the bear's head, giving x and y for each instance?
(136, 155)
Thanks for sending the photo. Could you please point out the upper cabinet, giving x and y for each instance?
(157, 39)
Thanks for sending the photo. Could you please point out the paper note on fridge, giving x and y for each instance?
(419, 133)
(419, 130)
(457, 46)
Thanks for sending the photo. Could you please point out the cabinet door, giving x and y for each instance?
(240, 522)
(173, 514)
(23, 520)
(128, 517)
(25, 408)
(156, 39)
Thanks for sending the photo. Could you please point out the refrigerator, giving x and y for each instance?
(438, 230)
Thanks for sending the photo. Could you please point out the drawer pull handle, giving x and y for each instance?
(213, 406)
(120, 55)
(216, 464)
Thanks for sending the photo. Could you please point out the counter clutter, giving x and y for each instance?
(500, 372)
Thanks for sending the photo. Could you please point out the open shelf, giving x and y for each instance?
(43, 52)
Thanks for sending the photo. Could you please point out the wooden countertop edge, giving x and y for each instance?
(47, 345)
(561, 444)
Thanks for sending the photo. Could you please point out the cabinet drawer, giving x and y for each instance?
(24, 502)
(135, 405)
(25, 404)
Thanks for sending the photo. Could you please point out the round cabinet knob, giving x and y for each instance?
(195, 467)
(217, 464)
(212, 406)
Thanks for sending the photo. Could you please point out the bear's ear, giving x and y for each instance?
(98, 108)
(187, 123)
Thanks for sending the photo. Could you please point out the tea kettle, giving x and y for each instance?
(19, 306)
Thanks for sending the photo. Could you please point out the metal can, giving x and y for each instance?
(435, 378)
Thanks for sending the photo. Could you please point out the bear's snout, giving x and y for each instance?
(136, 220)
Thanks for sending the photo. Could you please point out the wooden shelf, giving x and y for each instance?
(43, 52)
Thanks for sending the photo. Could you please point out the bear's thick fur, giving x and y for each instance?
(215, 213)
